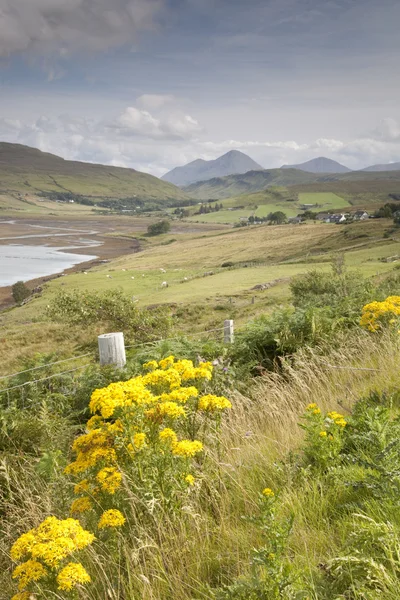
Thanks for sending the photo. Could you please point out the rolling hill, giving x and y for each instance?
(386, 167)
(28, 170)
(231, 163)
(355, 186)
(247, 183)
(319, 165)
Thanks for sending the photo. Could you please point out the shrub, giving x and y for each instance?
(20, 292)
(159, 228)
(112, 309)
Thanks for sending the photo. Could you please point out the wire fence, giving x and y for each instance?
(150, 343)
(91, 354)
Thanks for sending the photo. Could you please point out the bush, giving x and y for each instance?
(20, 292)
(159, 228)
(111, 309)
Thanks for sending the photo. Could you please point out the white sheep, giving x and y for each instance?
(163, 270)
(164, 284)
(132, 277)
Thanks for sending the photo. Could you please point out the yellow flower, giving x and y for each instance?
(268, 493)
(165, 409)
(111, 518)
(168, 435)
(312, 406)
(94, 422)
(212, 403)
(31, 570)
(72, 575)
(316, 411)
(151, 365)
(110, 479)
(165, 363)
(323, 434)
(81, 487)
(23, 546)
(187, 448)
(139, 440)
(81, 505)
(341, 422)
(189, 479)
(22, 596)
(52, 541)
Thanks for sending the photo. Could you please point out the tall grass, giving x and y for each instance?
(208, 543)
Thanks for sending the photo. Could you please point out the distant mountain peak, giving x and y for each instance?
(232, 163)
(319, 165)
(393, 166)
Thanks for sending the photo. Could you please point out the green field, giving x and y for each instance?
(323, 201)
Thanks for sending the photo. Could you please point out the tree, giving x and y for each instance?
(20, 292)
(159, 227)
(277, 217)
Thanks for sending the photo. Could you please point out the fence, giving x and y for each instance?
(112, 351)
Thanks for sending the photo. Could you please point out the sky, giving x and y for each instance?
(154, 84)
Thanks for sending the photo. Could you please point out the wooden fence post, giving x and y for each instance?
(112, 349)
(228, 331)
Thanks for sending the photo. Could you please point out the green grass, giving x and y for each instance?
(325, 201)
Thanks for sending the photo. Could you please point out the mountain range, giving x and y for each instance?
(231, 163)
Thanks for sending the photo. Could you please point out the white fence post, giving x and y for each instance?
(228, 331)
(112, 349)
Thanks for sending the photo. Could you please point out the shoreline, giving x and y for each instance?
(107, 249)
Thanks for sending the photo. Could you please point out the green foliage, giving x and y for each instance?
(112, 309)
(271, 574)
(159, 228)
(20, 292)
(278, 217)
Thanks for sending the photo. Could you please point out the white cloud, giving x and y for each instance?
(66, 26)
(155, 144)
(136, 122)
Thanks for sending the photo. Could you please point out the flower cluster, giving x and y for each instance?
(142, 438)
(377, 314)
(44, 549)
(140, 427)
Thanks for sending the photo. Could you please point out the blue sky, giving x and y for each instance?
(153, 84)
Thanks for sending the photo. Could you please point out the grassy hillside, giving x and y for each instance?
(253, 181)
(28, 170)
(260, 204)
(357, 187)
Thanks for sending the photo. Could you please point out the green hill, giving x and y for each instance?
(252, 181)
(28, 170)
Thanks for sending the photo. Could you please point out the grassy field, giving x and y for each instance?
(324, 201)
(206, 292)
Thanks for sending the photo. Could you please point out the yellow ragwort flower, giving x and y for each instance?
(211, 403)
(109, 479)
(187, 448)
(268, 493)
(81, 505)
(139, 440)
(168, 435)
(189, 479)
(22, 596)
(111, 518)
(323, 434)
(72, 575)
(31, 570)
